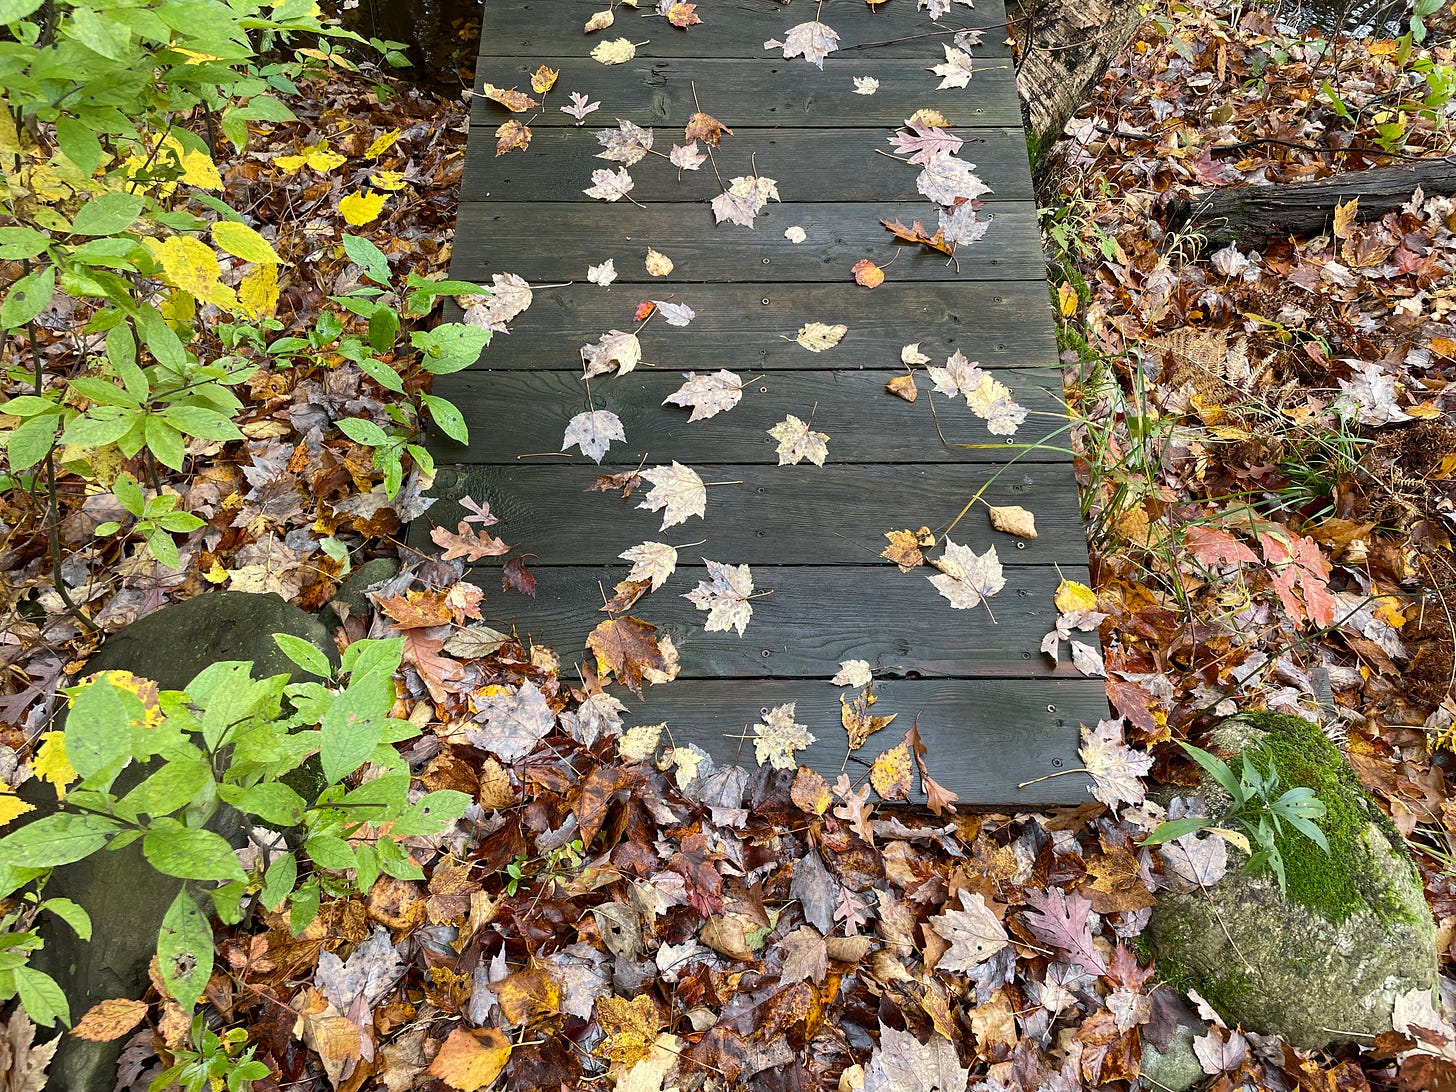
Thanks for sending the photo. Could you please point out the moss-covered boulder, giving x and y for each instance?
(1324, 961)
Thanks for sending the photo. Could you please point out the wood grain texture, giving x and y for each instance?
(816, 617)
(821, 164)
(773, 517)
(738, 28)
(549, 242)
(984, 739)
(998, 323)
(748, 93)
(511, 414)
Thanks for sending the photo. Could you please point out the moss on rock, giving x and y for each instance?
(1323, 962)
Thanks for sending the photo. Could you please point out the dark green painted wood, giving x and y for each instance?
(548, 242)
(816, 164)
(837, 516)
(817, 616)
(995, 322)
(510, 414)
(738, 28)
(747, 93)
(983, 739)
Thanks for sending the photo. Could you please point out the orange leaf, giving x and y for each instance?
(513, 100)
(867, 274)
(471, 1060)
(683, 15)
(705, 127)
(903, 386)
(645, 308)
(626, 646)
(110, 1019)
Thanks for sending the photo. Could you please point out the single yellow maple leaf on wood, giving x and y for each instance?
(513, 100)
(544, 79)
(818, 336)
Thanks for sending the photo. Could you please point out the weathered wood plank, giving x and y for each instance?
(749, 93)
(996, 322)
(837, 516)
(738, 28)
(984, 739)
(559, 163)
(816, 617)
(509, 237)
(510, 414)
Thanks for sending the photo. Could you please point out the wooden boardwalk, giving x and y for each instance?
(991, 707)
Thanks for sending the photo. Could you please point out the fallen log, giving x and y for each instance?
(1252, 216)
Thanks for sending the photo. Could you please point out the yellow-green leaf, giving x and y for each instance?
(52, 765)
(382, 143)
(258, 292)
(11, 805)
(189, 264)
(243, 242)
(360, 208)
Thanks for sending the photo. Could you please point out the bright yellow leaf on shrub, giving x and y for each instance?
(198, 169)
(11, 805)
(388, 180)
(382, 143)
(243, 242)
(316, 156)
(258, 292)
(360, 208)
(51, 763)
(189, 264)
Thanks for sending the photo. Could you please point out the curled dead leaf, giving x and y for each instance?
(1014, 520)
(867, 274)
(903, 386)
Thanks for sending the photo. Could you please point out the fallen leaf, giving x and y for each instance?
(892, 772)
(616, 51)
(599, 21)
(626, 646)
(630, 1027)
(579, 107)
(544, 79)
(810, 792)
(609, 185)
(658, 265)
(514, 721)
(966, 577)
(675, 314)
(466, 543)
(901, 1063)
(795, 234)
(818, 336)
(614, 349)
(686, 157)
(705, 127)
(651, 561)
(1116, 768)
(852, 673)
(778, 738)
(627, 592)
(682, 16)
(906, 548)
(806, 956)
(945, 179)
(516, 577)
(725, 596)
(603, 274)
(513, 136)
(921, 141)
(471, 1058)
(744, 199)
(797, 442)
(866, 85)
(974, 934)
(955, 71)
(1072, 597)
(677, 491)
(867, 274)
(109, 1020)
(707, 395)
(903, 386)
(1014, 520)
(593, 431)
(857, 720)
(813, 41)
(513, 100)
(626, 144)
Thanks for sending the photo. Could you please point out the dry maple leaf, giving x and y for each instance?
(471, 1058)
(679, 15)
(513, 136)
(956, 71)
(906, 548)
(903, 386)
(812, 41)
(725, 596)
(966, 577)
(626, 144)
(1014, 520)
(544, 79)
(609, 185)
(901, 1063)
(867, 274)
(974, 934)
(593, 431)
(625, 480)
(958, 378)
(992, 402)
(1115, 767)
(630, 1027)
(603, 274)
(626, 647)
(852, 673)
(651, 561)
(920, 141)
(910, 355)
(580, 107)
(866, 85)
(658, 265)
(744, 199)
(616, 51)
(1296, 560)
(467, 543)
(1060, 920)
(686, 157)
(509, 296)
(625, 594)
(946, 179)
(677, 492)
(614, 349)
(513, 100)
(707, 128)
(939, 8)
(892, 773)
(778, 738)
(963, 225)
(818, 336)
(857, 720)
(675, 314)
(514, 722)
(599, 21)
(916, 233)
(708, 395)
(797, 442)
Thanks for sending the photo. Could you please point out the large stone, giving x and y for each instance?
(1324, 962)
(125, 897)
(353, 593)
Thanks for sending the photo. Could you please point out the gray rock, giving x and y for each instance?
(352, 592)
(1175, 1069)
(125, 897)
(1323, 963)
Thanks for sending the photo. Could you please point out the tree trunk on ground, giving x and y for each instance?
(1253, 215)
(1065, 48)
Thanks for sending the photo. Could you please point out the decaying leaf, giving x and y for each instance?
(966, 577)
(509, 296)
(778, 738)
(813, 41)
(616, 51)
(603, 274)
(797, 442)
(866, 85)
(679, 15)
(920, 141)
(471, 1058)
(955, 71)
(962, 224)
(580, 107)
(651, 561)
(725, 596)
(946, 179)
(940, 8)
(818, 336)
(609, 185)
(109, 1020)
(916, 233)
(795, 234)
(593, 431)
(859, 723)
(708, 395)
(852, 673)
(599, 21)
(903, 386)
(1014, 520)
(705, 127)
(513, 100)
(658, 265)
(544, 79)
(1115, 767)
(675, 314)
(630, 1027)
(686, 157)
(676, 491)
(467, 543)
(867, 274)
(513, 136)
(514, 722)
(974, 934)
(614, 349)
(744, 199)
(893, 772)
(906, 548)
(626, 647)
(626, 144)
(626, 592)
(901, 1063)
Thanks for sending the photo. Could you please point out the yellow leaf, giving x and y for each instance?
(290, 163)
(382, 143)
(631, 1027)
(658, 265)
(189, 264)
(471, 1059)
(360, 208)
(316, 156)
(258, 292)
(11, 805)
(891, 775)
(818, 336)
(217, 574)
(512, 137)
(1072, 596)
(1066, 299)
(600, 21)
(1345, 217)
(243, 242)
(109, 1020)
(543, 79)
(51, 763)
(615, 52)
(324, 161)
(388, 180)
(199, 170)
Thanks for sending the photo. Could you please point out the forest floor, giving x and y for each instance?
(1269, 467)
